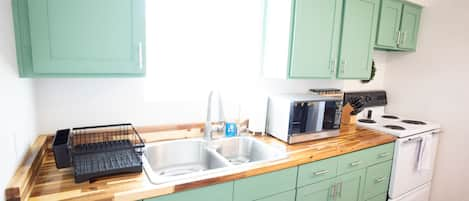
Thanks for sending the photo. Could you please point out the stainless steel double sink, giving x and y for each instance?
(191, 158)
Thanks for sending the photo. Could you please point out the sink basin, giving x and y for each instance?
(184, 159)
(244, 150)
(173, 160)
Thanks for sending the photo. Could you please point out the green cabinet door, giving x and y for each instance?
(265, 185)
(87, 37)
(315, 38)
(377, 180)
(322, 191)
(389, 24)
(410, 26)
(360, 20)
(287, 196)
(220, 192)
(350, 186)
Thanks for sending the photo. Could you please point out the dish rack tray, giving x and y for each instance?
(105, 150)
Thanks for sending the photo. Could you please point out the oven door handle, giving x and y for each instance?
(418, 139)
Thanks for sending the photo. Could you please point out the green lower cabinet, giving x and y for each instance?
(322, 191)
(317, 171)
(377, 180)
(325, 180)
(219, 192)
(265, 185)
(350, 186)
(286, 196)
(382, 197)
(347, 187)
(360, 19)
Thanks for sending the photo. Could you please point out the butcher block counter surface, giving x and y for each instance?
(51, 183)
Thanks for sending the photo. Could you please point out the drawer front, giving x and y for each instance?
(381, 153)
(261, 186)
(381, 197)
(364, 158)
(317, 171)
(220, 192)
(377, 179)
(287, 196)
(353, 161)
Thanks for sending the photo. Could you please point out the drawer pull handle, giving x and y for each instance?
(321, 172)
(356, 163)
(379, 180)
(382, 155)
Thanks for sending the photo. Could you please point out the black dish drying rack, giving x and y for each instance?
(105, 150)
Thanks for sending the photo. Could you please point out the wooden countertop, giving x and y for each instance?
(54, 184)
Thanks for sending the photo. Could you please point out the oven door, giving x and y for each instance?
(408, 171)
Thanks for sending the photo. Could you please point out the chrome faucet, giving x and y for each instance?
(214, 124)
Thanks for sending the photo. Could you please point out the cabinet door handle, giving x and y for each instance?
(321, 172)
(398, 42)
(404, 37)
(332, 66)
(380, 179)
(334, 192)
(382, 155)
(355, 163)
(343, 63)
(140, 55)
(339, 191)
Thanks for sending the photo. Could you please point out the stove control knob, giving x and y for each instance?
(367, 98)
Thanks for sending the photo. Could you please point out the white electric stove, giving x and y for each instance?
(397, 125)
(414, 151)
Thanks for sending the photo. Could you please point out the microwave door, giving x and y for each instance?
(315, 116)
(332, 114)
(298, 122)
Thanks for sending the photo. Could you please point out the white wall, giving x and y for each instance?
(63, 103)
(16, 102)
(432, 84)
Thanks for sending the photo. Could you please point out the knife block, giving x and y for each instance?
(347, 118)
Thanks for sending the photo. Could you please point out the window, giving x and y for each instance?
(196, 46)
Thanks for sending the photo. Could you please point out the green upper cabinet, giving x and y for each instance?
(303, 39)
(360, 19)
(80, 38)
(410, 26)
(398, 26)
(315, 38)
(389, 24)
